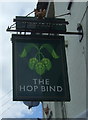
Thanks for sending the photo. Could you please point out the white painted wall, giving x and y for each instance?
(76, 60)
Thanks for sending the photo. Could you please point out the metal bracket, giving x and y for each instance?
(66, 33)
(51, 26)
(80, 30)
(50, 116)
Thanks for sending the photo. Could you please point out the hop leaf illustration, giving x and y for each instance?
(50, 50)
(40, 68)
(24, 53)
(47, 63)
(27, 49)
(32, 63)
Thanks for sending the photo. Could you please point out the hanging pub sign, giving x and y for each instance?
(39, 68)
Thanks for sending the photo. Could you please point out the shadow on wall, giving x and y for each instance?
(83, 114)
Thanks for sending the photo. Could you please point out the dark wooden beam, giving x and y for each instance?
(70, 5)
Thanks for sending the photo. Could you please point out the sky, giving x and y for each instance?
(8, 107)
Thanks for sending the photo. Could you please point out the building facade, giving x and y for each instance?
(77, 61)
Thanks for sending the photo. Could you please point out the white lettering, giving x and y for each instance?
(59, 89)
(47, 81)
(35, 81)
(41, 81)
(47, 88)
(35, 88)
(52, 88)
(22, 88)
(43, 89)
(29, 88)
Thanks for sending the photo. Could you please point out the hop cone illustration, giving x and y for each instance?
(32, 63)
(39, 63)
(40, 68)
(47, 63)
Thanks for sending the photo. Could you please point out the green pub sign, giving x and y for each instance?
(39, 68)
